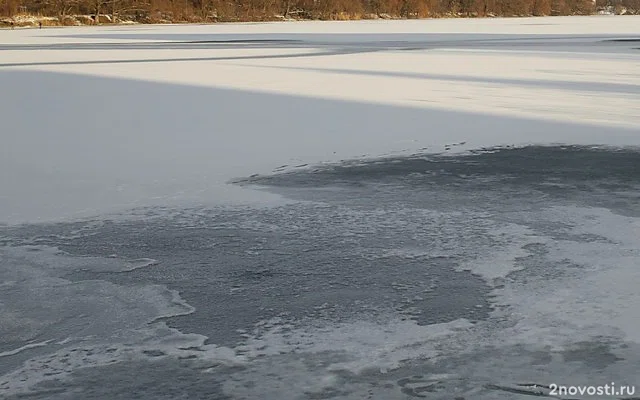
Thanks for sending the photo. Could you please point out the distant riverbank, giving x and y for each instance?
(46, 18)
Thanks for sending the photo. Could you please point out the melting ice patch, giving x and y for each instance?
(380, 345)
(132, 265)
(561, 274)
(25, 347)
(322, 359)
(511, 240)
(83, 324)
(592, 291)
(153, 341)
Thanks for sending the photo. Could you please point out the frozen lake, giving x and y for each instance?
(442, 209)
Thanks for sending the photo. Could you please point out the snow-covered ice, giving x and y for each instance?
(441, 281)
(105, 118)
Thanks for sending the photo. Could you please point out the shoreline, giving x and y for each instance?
(33, 21)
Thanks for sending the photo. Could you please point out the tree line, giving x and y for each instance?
(159, 11)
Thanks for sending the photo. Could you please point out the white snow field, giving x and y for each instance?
(475, 291)
(104, 118)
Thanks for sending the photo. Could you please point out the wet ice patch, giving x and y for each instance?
(23, 348)
(374, 282)
(380, 345)
(149, 342)
(511, 241)
(324, 360)
(132, 265)
(592, 292)
(52, 326)
(55, 262)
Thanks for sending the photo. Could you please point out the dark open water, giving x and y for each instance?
(465, 276)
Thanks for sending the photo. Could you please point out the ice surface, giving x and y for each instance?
(22, 348)
(86, 323)
(140, 263)
(106, 119)
(597, 299)
(503, 260)
(378, 345)
(89, 129)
